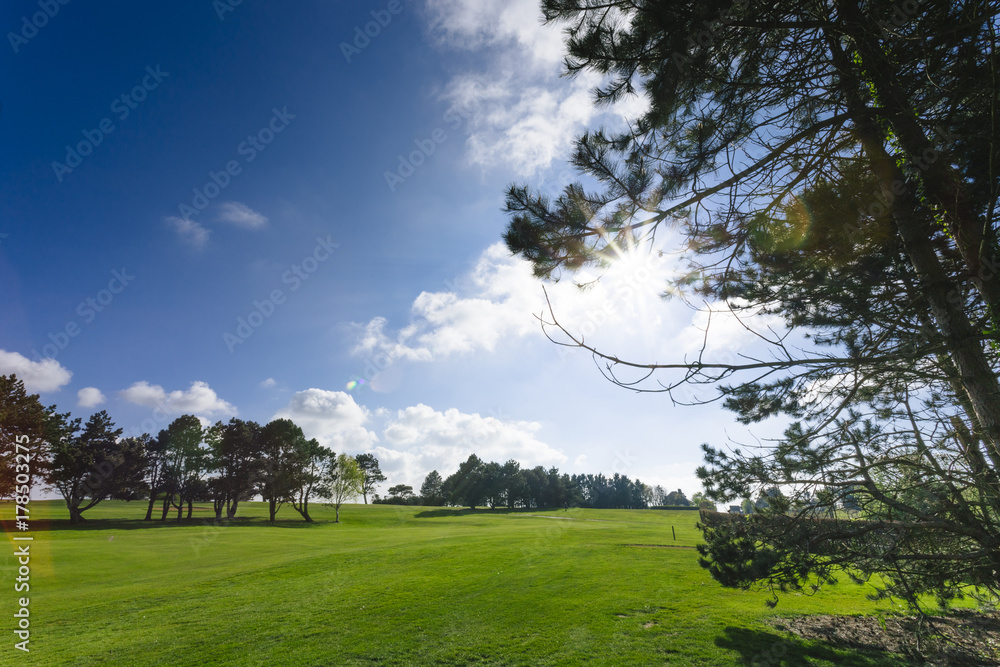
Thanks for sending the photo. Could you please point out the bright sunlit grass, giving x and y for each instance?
(397, 586)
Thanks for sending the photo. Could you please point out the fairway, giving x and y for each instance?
(396, 586)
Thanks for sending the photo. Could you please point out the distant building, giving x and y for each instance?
(735, 509)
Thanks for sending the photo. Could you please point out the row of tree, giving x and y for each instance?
(185, 463)
(477, 483)
(229, 463)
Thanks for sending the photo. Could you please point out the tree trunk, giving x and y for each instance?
(973, 239)
(149, 509)
(166, 507)
(231, 512)
(956, 330)
(337, 520)
(272, 507)
(190, 508)
(303, 509)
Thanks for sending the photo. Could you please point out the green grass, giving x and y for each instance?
(395, 586)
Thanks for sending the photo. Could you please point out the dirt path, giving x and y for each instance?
(965, 638)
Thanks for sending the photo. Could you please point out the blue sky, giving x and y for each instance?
(260, 210)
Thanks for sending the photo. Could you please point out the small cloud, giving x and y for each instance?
(241, 215)
(90, 397)
(578, 461)
(189, 231)
(44, 375)
(268, 383)
(199, 399)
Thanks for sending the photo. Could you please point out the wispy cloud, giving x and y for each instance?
(241, 215)
(189, 231)
(524, 113)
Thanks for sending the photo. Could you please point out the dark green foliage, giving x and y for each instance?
(236, 464)
(93, 463)
(22, 420)
(285, 456)
(466, 486)
(431, 491)
(372, 473)
(836, 166)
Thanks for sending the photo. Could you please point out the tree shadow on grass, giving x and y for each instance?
(764, 649)
(51, 525)
(451, 511)
(485, 511)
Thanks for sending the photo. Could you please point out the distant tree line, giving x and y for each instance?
(185, 463)
(477, 483)
(229, 463)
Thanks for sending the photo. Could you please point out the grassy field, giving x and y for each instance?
(395, 586)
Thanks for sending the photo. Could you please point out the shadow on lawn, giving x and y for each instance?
(444, 512)
(47, 525)
(455, 511)
(764, 649)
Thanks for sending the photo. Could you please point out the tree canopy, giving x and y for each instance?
(21, 416)
(834, 164)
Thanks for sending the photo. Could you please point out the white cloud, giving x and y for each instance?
(199, 399)
(513, 24)
(498, 301)
(523, 114)
(268, 383)
(444, 323)
(526, 125)
(495, 308)
(728, 332)
(189, 231)
(419, 439)
(43, 376)
(90, 397)
(332, 417)
(241, 215)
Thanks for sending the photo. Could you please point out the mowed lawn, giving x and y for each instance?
(395, 586)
